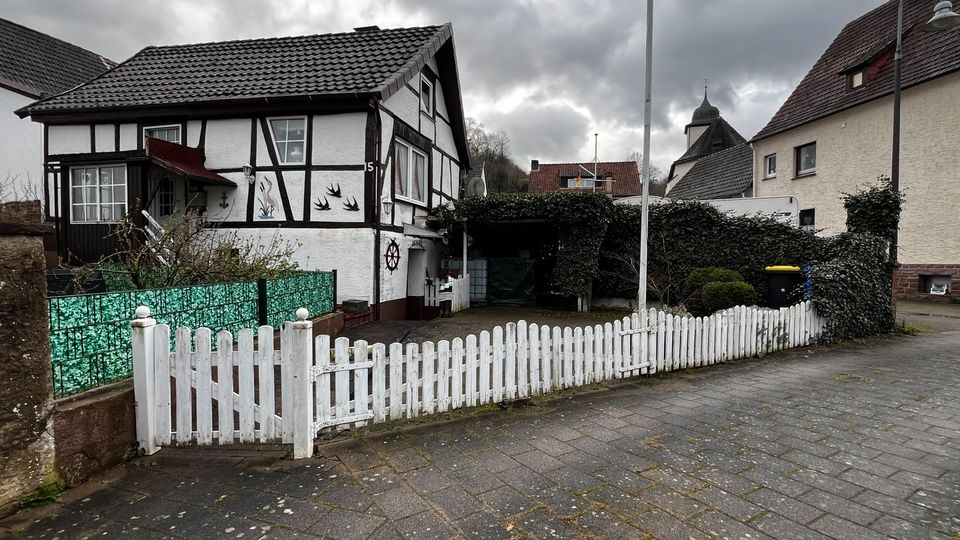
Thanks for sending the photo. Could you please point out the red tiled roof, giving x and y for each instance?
(626, 176)
(183, 160)
(868, 41)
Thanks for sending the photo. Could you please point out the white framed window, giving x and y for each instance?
(290, 138)
(169, 133)
(806, 159)
(98, 194)
(856, 79)
(426, 95)
(770, 166)
(165, 198)
(409, 173)
(578, 182)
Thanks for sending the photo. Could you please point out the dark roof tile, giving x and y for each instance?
(823, 91)
(326, 64)
(721, 175)
(38, 64)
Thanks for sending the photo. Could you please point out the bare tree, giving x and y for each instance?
(190, 250)
(656, 175)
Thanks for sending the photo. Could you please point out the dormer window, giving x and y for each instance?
(856, 79)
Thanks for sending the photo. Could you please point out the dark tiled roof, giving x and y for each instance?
(184, 161)
(320, 65)
(824, 89)
(35, 63)
(725, 174)
(626, 176)
(719, 136)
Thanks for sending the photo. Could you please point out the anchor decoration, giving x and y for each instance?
(325, 205)
(351, 206)
(334, 192)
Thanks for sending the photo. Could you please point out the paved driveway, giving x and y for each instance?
(849, 443)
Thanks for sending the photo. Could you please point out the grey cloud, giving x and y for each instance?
(549, 132)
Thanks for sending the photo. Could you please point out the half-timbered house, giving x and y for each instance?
(341, 142)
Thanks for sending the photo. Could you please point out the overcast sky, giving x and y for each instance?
(548, 72)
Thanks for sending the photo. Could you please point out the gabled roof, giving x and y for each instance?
(626, 176)
(721, 175)
(184, 161)
(35, 64)
(309, 66)
(823, 91)
(718, 136)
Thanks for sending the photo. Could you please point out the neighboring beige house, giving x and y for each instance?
(834, 134)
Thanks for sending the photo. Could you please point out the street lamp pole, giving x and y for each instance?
(645, 185)
(895, 165)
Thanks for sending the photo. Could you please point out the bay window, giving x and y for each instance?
(98, 194)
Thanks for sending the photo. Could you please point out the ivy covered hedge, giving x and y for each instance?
(851, 276)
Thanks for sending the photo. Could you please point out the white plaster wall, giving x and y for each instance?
(406, 105)
(106, 137)
(293, 181)
(393, 285)
(441, 104)
(351, 185)
(228, 144)
(445, 138)
(349, 251)
(339, 139)
(854, 147)
(236, 209)
(193, 133)
(263, 151)
(21, 150)
(694, 133)
(73, 139)
(128, 137)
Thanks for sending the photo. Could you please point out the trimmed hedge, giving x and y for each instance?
(726, 294)
(710, 274)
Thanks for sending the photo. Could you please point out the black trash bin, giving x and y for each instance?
(784, 286)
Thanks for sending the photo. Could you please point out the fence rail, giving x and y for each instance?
(89, 336)
(323, 387)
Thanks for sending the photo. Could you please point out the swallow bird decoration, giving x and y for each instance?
(351, 206)
(334, 192)
(321, 206)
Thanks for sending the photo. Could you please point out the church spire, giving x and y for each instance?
(705, 112)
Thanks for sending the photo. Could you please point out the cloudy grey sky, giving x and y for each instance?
(548, 72)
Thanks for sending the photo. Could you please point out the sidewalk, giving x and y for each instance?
(852, 442)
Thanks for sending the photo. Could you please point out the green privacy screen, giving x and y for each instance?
(90, 338)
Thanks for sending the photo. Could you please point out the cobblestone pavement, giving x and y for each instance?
(856, 442)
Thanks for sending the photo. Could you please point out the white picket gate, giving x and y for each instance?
(323, 387)
(458, 293)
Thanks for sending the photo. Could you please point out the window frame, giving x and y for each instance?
(97, 187)
(853, 79)
(430, 108)
(281, 156)
(813, 227)
(798, 172)
(766, 166)
(165, 126)
(401, 143)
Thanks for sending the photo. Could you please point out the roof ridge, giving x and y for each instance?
(283, 38)
(55, 38)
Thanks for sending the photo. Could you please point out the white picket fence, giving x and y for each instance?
(306, 386)
(459, 293)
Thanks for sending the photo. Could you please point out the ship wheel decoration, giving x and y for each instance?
(392, 256)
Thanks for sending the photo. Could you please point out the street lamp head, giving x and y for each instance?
(943, 18)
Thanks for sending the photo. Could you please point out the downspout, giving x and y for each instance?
(375, 105)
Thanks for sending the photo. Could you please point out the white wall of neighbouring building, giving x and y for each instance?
(21, 151)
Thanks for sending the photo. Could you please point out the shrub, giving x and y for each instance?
(710, 274)
(727, 294)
